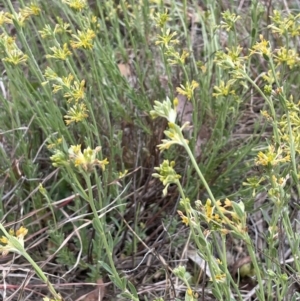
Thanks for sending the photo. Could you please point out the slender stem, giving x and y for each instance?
(100, 226)
(275, 128)
(187, 148)
(19, 248)
(257, 269)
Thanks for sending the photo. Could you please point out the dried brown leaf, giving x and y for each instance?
(98, 293)
(125, 70)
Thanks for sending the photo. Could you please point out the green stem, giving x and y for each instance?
(257, 269)
(269, 102)
(100, 226)
(188, 150)
(19, 248)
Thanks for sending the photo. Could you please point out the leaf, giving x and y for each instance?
(106, 267)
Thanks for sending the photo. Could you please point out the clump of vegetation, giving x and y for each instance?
(150, 150)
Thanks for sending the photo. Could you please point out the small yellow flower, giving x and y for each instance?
(208, 210)
(184, 218)
(5, 18)
(224, 231)
(76, 155)
(287, 56)
(174, 133)
(227, 203)
(21, 232)
(28, 11)
(220, 278)
(254, 183)
(76, 4)
(56, 88)
(19, 19)
(15, 57)
(201, 65)
(87, 159)
(62, 27)
(8, 243)
(59, 158)
(83, 39)
(42, 189)
(216, 217)
(123, 174)
(176, 58)
(285, 26)
(50, 74)
(167, 39)
(189, 291)
(221, 208)
(166, 174)
(161, 19)
(76, 114)
(224, 90)
(3, 240)
(54, 144)
(76, 91)
(8, 42)
(263, 48)
(229, 19)
(188, 89)
(60, 53)
(164, 109)
(232, 59)
(46, 32)
(272, 157)
(67, 80)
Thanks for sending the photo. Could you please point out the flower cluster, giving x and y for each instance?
(20, 17)
(74, 91)
(262, 48)
(188, 89)
(285, 26)
(76, 4)
(272, 157)
(289, 125)
(226, 216)
(83, 39)
(61, 53)
(10, 242)
(54, 144)
(85, 160)
(168, 41)
(10, 51)
(224, 89)
(286, 56)
(61, 27)
(166, 174)
(184, 218)
(174, 132)
(229, 20)
(231, 59)
(161, 19)
(73, 88)
(164, 109)
(175, 58)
